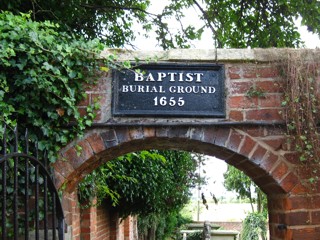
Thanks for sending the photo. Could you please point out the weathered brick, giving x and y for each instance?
(305, 172)
(162, 132)
(270, 101)
(215, 135)
(268, 87)
(255, 172)
(292, 157)
(315, 216)
(279, 234)
(236, 115)
(86, 151)
(275, 130)
(289, 182)
(228, 156)
(242, 102)
(264, 180)
(123, 135)
(310, 233)
(297, 202)
(234, 159)
(96, 143)
(240, 87)
(315, 202)
(180, 132)
(245, 166)
(268, 72)
(85, 102)
(280, 171)
(271, 188)
(277, 217)
(63, 167)
(269, 161)
(100, 98)
(275, 204)
(258, 154)
(149, 132)
(110, 138)
(58, 179)
(250, 72)
(275, 143)
(196, 133)
(264, 114)
(136, 133)
(300, 189)
(234, 141)
(258, 131)
(248, 146)
(234, 72)
(298, 218)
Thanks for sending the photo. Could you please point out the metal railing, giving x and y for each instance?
(29, 202)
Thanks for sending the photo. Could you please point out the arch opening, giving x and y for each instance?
(234, 146)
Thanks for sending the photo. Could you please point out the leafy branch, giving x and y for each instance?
(43, 71)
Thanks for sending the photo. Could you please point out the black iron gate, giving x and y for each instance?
(29, 202)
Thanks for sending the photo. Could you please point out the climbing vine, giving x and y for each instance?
(301, 101)
(43, 73)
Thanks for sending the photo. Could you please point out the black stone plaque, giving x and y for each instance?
(178, 90)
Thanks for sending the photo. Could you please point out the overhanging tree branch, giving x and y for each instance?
(209, 23)
(113, 7)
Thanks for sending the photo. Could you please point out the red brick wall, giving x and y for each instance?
(130, 227)
(242, 78)
(103, 222)
(88, 221)
(251, 138)
(72, 214)
(94, 222)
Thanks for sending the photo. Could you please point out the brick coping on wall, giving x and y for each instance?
(210, 55)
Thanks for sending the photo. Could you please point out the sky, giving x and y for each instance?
(213, 171)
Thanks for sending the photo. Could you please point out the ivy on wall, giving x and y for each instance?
(301, 101)
(43, 72)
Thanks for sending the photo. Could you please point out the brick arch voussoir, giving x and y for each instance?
(78, 157)
(235, 147)
(81, 157)
(266, 167)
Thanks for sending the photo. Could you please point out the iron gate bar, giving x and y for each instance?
(57, 214)
(37, 200)
(4, 186)
(15, 186)
(57, 207)
(54, 219)
(26, 188)
(37, 195)
(61, 225)
(45, 200)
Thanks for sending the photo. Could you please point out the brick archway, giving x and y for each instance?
(254, 151)
(257, 158)
(251, 138)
